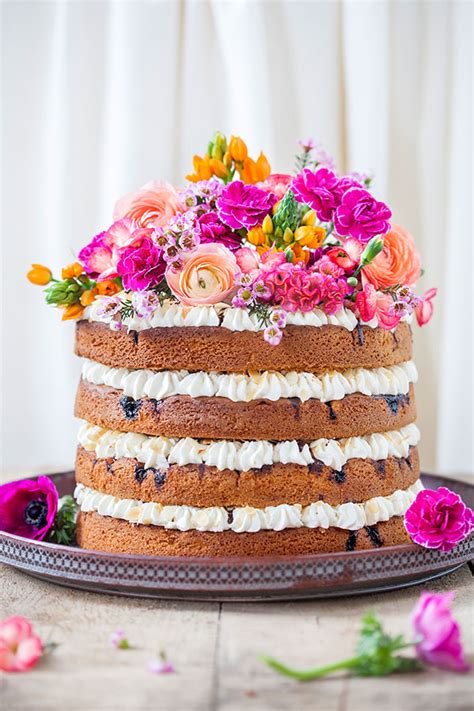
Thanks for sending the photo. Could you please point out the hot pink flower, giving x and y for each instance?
(153, 205)
(372, 303)
(440, 643)
(20, 648)
(361, 216)
(247, 259)
(318, 189)
(207, 276)
(438, 519)
(424, 308)
(244, 205)
(276, 183)
(101, 255)
(212, 229)
(28, 508)
(141, 264)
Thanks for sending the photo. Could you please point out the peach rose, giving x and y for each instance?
(151, 206)
(398, 262)
(207, 276)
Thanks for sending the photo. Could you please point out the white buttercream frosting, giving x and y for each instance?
(172, 313)
(350, 516)
(160, 452)
(239, 387)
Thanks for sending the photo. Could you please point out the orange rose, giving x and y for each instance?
(151, 206)
(397, 263)
(207, 276)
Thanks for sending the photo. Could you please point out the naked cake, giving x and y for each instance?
(247, 385)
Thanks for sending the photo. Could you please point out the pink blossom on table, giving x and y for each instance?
(141, 264)
(438, 632)
(247, 259)
(375, 304)
(243, 205)
(207, 276)
(20, 647)
(212, 229)
(272, 335)
(424, 308)
(361, 216)
(318, 189)
(153, 205)
(276, 183)
(438, 519)
(101, 255)
(28, 507)
(347, 256)
(160, 666)
(119, 640)
(145, 303)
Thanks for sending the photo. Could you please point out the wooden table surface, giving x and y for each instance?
(214, 648)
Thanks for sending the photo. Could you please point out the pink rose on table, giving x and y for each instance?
(101, 255)
(361, 216)
(207, 276)
(20, 647)
(28, 508)
(440, 643)
(318, 189)
(244, 205)
(424, 308)
(151, 206)
(375, 304)
(141, 264)
(276, 183)
(438, 519)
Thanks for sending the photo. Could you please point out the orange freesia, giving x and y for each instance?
(107, 288)
(238, 149)
(72, 270)
(202, 169)
(299, 254)
(218, 168)
(308, 236)
(263, 169)
(87, 297)
(247, 171)
(74, 311)
(398, 262)
(39, 275)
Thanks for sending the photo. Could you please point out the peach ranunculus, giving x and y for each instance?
(398, 262)
(151, 206)
(207, 276)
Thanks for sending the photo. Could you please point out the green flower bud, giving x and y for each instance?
(352, 281)
(371, 250)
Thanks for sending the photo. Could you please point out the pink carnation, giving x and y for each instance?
(318, 189)
(375, 304)
(141, 264)
(212, 229)
(438, 632)
(438, 519)
(361, 216)
(244, 205)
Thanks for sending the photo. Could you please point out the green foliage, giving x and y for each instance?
(64, 529)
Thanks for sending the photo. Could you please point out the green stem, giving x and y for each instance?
(309, 674)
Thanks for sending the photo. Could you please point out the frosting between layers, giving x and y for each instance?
(160, 452)
(270, 385)
(175, 314)
(349, 516)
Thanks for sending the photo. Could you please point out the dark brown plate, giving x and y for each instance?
(271, 578)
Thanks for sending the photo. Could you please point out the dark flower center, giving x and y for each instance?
(36, 513)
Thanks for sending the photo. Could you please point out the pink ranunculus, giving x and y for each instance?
(424, 308)
(438, 519)
(347, 256)
(141, 264)
(372, 303)
(153, 205)
(243, 205)
(271, 259)
(20, 647)
(361, 216)
(101, 255)
(318, 189)
(207, 276)
(212, 229)
(247, 259)
(28, 507)
(438, 632)
(276, 183)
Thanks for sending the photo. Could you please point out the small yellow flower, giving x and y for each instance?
(256, 236)
(287, 236)
(202, 169)
(74, 311)
(39, 275)
(238, 149)
(299, 254)
(87, 297)
(267, 225)
(309, 218)
(72, 270)
(311, 237)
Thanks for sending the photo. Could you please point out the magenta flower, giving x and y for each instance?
(212, 229)
(28, 508)
(141, 264)
(244, 205)
(101, 255)
(361, 216)
(440, 643)
(438, 519)
(318, 189)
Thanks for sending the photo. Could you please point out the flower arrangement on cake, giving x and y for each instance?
(270, 244)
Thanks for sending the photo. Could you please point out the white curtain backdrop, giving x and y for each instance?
(99, 97)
